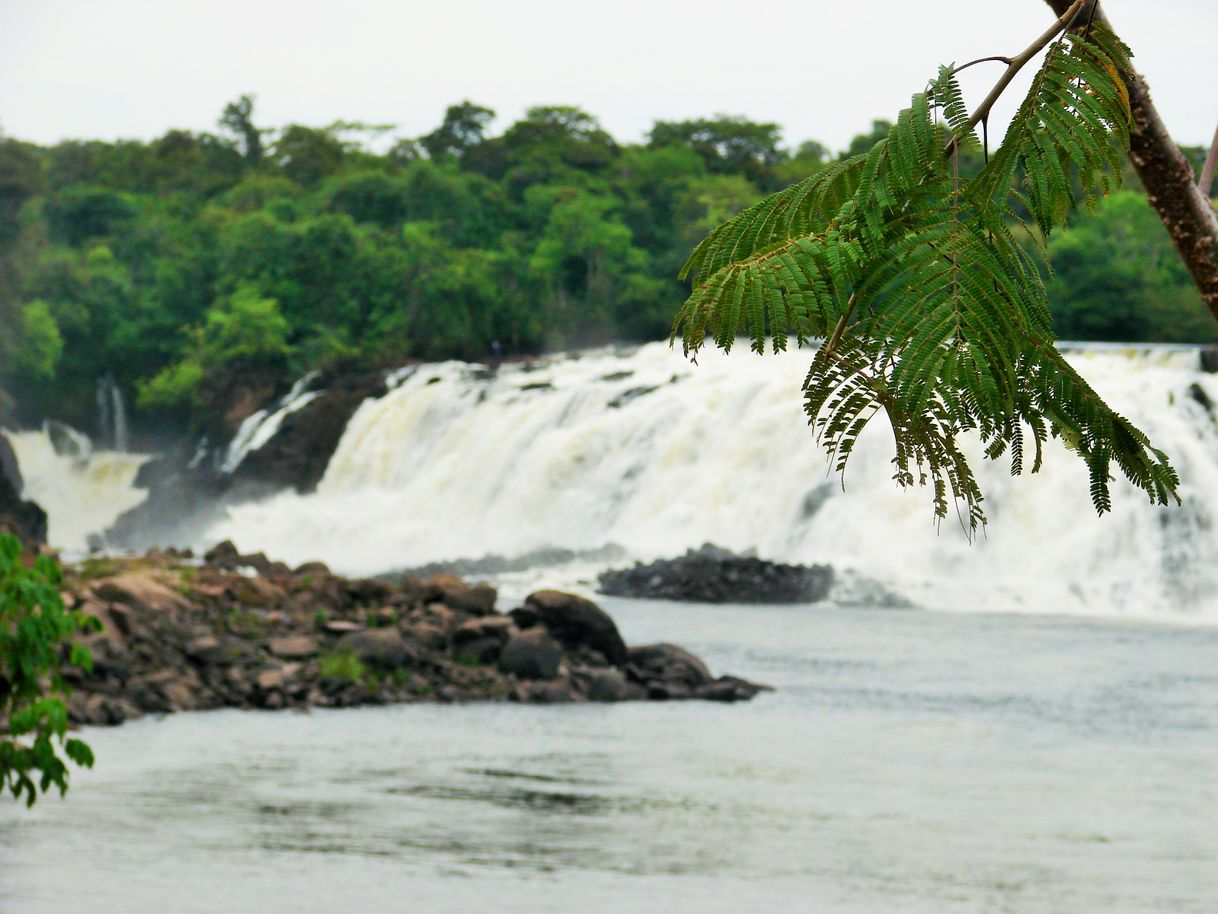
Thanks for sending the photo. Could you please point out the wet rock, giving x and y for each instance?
(1209, 359)
(714, 575)
(299, 452)
(576, 622)
(449, 589)
(383, 648)
(611, 685)
(668, 664)
(24, 519)
(728, 688)
(531, 654)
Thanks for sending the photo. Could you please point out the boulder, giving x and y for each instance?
(577, 622)
(498, 628)
(531, 654)
(714, 575)
(668, 664)
(383, 648)
(294, 647)
(427, 635)
(611, 685)
(144, 590)
(1209, 359)
(478, 599)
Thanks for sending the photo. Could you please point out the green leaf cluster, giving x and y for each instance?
(930, 309)
(36, 645)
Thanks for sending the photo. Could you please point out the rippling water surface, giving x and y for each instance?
(909, 762)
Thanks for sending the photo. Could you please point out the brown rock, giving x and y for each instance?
(343, 627)
(478, 599)
(294, 647)
(611, 685)
(256, 592)
(668, 664)
(427, 635)
(383, 648)
(577, 622)
(531, 654)
(146, 590)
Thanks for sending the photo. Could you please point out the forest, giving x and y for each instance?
(177, 264)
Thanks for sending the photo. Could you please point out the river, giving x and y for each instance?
(909, 761)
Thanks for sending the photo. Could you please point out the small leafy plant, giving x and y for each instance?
(36, 630)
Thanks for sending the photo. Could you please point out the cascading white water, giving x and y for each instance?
(82, 490)
(261, 427)
(650, 452)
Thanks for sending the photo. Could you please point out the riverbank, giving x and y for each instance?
(242, 631)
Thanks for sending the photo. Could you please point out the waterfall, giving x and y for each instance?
(112, 415)
(261, 427)
(82, 490)
(644, 450)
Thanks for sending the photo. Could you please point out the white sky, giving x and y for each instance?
(821, 68)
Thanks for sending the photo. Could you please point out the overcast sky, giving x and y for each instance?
(823, 69)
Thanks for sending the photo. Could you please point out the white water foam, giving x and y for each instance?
(82, 493)
(647, 451)
(261, 427)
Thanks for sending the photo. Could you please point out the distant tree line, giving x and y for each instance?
(178, 264)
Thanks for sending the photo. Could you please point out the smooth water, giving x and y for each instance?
(910, 761)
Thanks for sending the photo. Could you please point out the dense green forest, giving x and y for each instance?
(179, 264)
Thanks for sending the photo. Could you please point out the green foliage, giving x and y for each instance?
(1116, 276)
(36, 633)
(548, 235)
(929, 309)
(343, 666)
(245, 330)
(38, 346)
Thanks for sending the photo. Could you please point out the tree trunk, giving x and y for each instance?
(1171, 189)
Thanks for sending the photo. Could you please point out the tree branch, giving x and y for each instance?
(1017, 63)
(1206, 181)
(1185, 210)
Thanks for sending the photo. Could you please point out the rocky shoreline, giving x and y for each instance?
(241, 631)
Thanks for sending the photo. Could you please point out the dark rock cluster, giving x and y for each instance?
(714, 575)
(24, 519)
(244, 631)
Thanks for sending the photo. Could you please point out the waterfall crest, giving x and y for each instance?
(644, 450)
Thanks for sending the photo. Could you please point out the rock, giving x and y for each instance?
(427, 635)
(210, 650)
(24, 519)
(343, 626)
(728, 688)
(714, 575)
(299, 452)
(257, 592)
(144, 590)
(531, 654)
(668, 664)
(312, 569)
(577, 622)
(449, 589)
(498, 628)
(223, 555)
(555, 692)
(369, 591)
(479, 651)
(1209, 359)
(383, 648)
(611, 685)
(294, 647)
